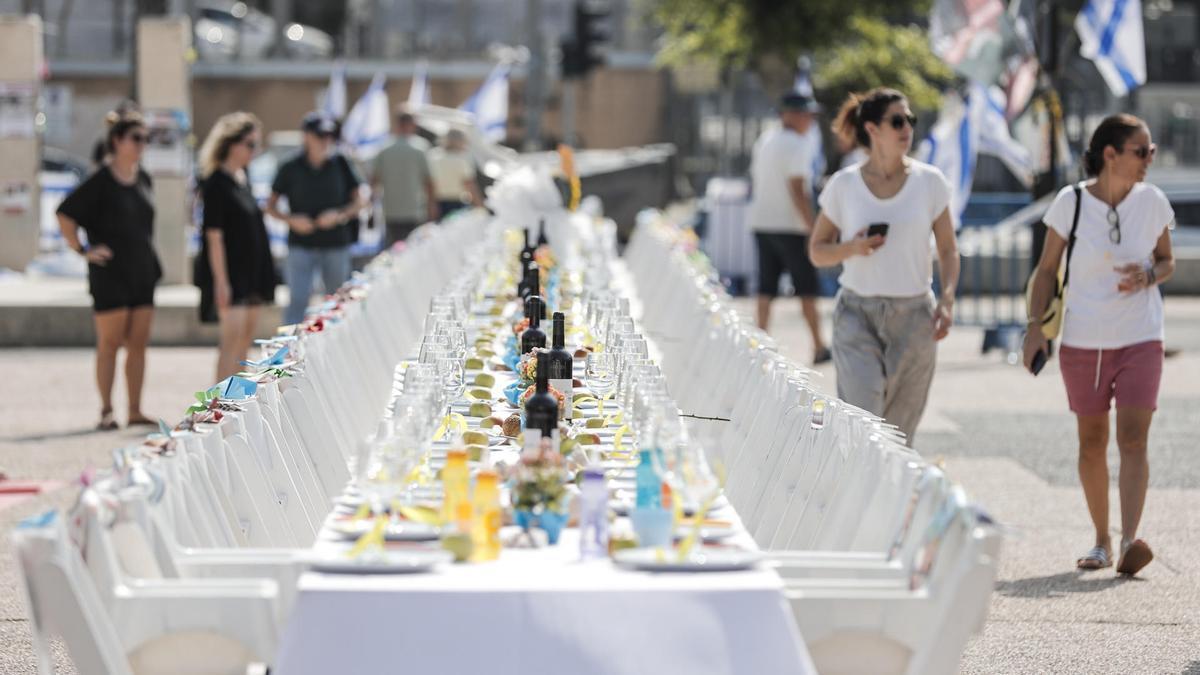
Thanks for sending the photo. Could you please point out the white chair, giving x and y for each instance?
(146, 626)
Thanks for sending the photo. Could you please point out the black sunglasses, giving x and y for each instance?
(140, 139)
(250, 144)
(1144, 151)
(897, 121)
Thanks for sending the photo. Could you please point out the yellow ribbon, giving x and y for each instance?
(618, 446)
(420, 514)
(685, 546)
(373, 537)
(453, 420)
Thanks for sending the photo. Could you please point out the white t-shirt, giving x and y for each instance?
(1098, 316)
(902, 267)
(450, 170)
(779, 155)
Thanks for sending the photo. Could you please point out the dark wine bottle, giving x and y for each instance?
(562, 364)
(541, 410)
(541, 239)
(530, 283)
(528, 249)
(533, 337)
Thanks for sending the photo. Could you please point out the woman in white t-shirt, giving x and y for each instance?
(876, 220)
(1112, 332)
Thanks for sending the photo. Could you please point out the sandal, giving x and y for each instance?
(107, 422)
(1135, 556)
(1095, 559)
(141, 420)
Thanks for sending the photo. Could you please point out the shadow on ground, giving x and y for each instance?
(1057, 585)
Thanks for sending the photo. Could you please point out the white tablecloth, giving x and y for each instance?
(543, 611)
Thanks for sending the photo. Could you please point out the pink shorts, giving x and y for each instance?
(1094, 376)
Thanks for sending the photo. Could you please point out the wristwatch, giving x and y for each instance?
(82, 249)
(1151, 277)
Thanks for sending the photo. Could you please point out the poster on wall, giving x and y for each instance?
(16, 197)
(168, 143)
(18, 110)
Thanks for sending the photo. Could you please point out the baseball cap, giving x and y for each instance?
(319, 123)
(798, 103)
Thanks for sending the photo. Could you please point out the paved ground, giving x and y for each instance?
(1006, 436)
(1009, 439)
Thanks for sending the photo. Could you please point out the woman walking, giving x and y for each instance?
(235, 271)
(1112, 332)
(114, 207)
(876, 219)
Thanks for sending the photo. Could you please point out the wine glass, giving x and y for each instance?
(379, 479)
(599, 373)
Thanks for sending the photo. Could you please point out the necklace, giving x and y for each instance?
(1114, 219)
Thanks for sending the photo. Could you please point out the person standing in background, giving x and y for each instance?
(235, 270)
(401, 170)
(453, 172)
(323, 193)
(115, 208)
(781, 213)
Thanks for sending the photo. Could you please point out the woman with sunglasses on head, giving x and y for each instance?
(115, 208)
(235, 270)
(876, 220)
(1112, 331)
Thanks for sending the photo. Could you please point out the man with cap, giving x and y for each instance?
(782, 214)
(323, 195)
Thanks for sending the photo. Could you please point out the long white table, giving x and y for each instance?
(543, 611)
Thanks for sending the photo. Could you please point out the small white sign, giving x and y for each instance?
(18, 110)
(168, 151)
(16, 197)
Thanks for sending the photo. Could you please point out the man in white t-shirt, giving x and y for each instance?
(453, 173)
(782, 215)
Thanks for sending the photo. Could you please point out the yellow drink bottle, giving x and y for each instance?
(485, 528)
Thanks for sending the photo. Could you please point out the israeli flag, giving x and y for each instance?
(995, 139)
(334, 101)
(367, 127)
(953, 145)
(489, 105)
(418, 94)
(1110, 34)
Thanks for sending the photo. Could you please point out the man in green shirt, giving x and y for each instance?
(402, 172)
(323, 195)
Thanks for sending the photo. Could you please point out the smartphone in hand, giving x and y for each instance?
(880, 229)
(1039, 362)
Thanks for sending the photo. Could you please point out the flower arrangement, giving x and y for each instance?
(527, 368)
(520, 327)
(562, 399)
(539, 480)
(544, 257)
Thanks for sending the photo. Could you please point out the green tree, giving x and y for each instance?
(768, 35)
(881, 55)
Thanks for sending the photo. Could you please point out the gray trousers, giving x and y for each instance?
(884, 353)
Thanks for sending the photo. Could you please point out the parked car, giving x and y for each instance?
(229, 31)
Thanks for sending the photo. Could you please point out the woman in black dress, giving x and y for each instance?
(115, 208)
(235, 271)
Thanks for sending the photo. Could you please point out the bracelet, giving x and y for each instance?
(1151, 277)
(82, 249)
